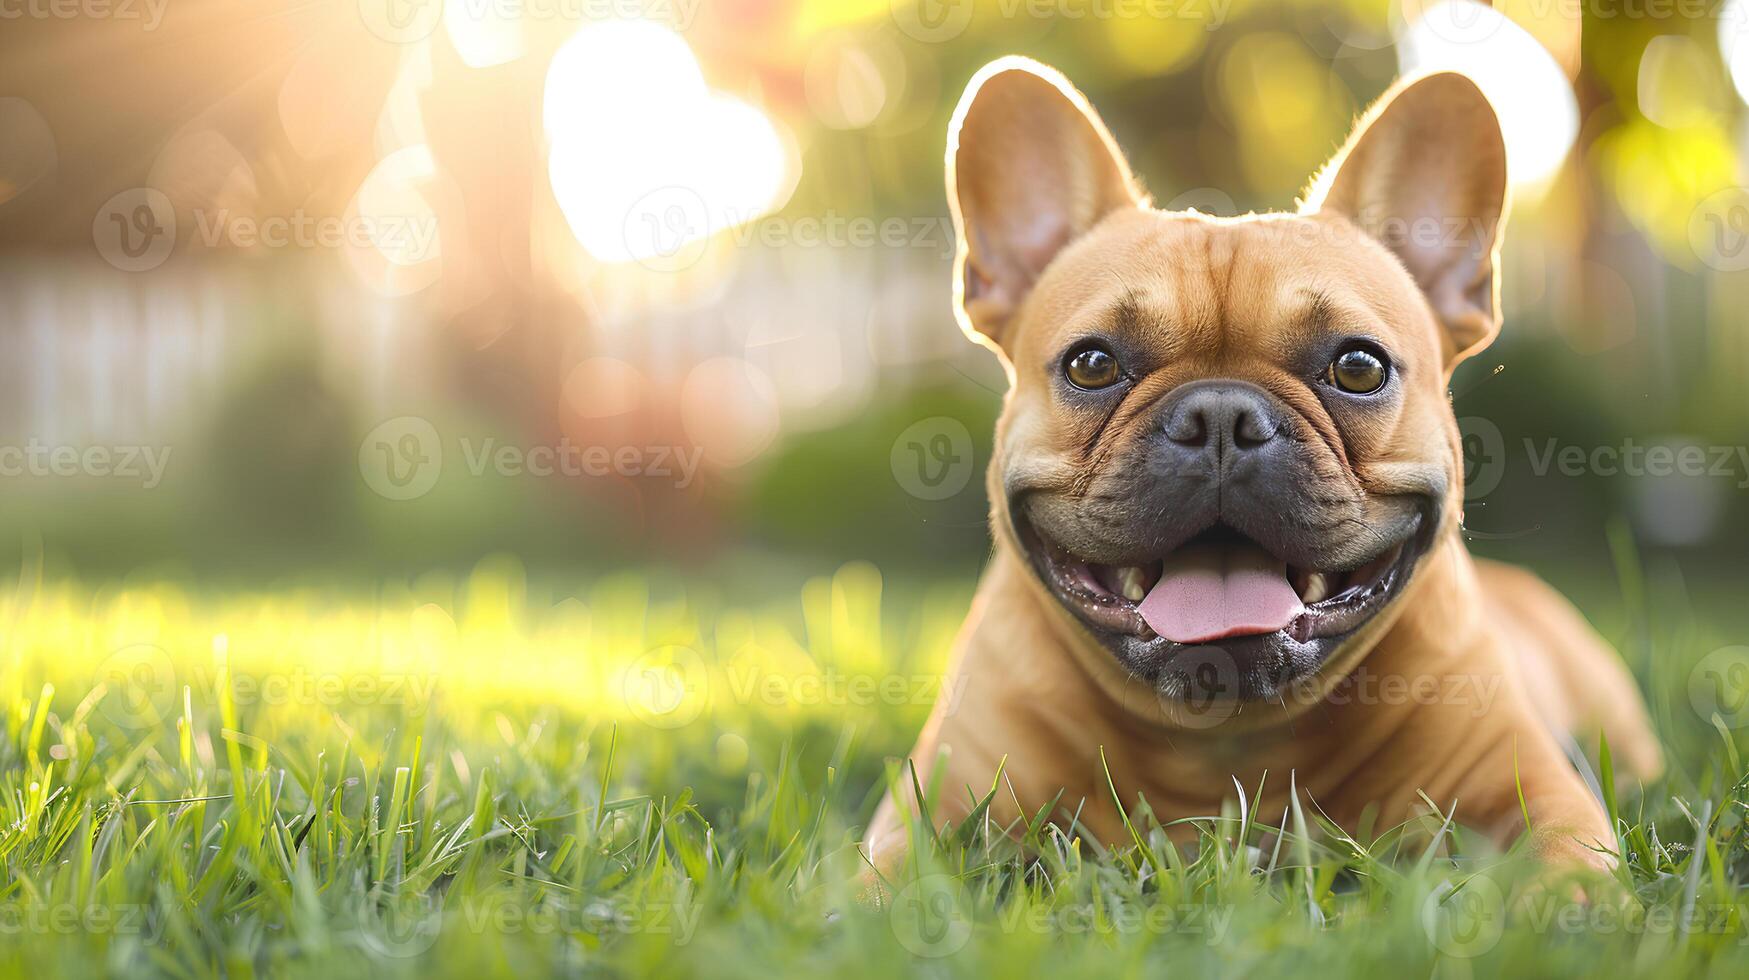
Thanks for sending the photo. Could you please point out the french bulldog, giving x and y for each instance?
(1226, 496)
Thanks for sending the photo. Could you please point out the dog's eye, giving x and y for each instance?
(1357, 371)
(1092, 368)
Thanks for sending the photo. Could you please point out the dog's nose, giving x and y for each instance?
(1225, 422)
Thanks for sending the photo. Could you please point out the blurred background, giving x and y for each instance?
(337, 290)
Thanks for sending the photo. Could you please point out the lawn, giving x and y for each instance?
(480, 775)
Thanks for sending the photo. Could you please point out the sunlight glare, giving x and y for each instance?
(484, 35)
(1538, 112)
(644, 158)
(1734, 43)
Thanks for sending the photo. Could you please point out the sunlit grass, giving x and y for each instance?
(481, 776)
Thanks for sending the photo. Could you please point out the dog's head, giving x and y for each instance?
(1225, 434)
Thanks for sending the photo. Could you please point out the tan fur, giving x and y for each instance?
(1471, 670)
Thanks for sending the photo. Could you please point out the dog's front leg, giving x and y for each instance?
(1523, 778)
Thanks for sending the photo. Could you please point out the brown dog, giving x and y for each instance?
(1226, 493)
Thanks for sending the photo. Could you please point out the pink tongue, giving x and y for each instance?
(1209, 592)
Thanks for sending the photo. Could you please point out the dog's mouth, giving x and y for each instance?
(1222, 584)
(1223, 590)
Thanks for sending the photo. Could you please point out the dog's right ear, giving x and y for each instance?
(1030, 168)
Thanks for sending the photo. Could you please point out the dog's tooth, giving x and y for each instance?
(1134, 583)
(1317, 588)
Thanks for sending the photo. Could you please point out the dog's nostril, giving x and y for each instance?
(1188, 428)
(1233, 418)
(1252, 430)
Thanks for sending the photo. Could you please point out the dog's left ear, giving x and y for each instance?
(1030, 168)
(1425, 174)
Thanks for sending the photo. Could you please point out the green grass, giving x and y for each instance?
(483, 777)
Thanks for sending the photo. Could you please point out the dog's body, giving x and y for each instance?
(1226, 494)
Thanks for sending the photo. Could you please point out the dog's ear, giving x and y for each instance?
(1030, 168)
(1425, 174)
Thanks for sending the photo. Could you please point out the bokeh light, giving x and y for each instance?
(1734, 43)
(644, 159)
(1287, 107)
(1678, 84)
(1539, 115)
(484, 34)
(850, 83)
(729, 410)
(27, 147)
(394, 242)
